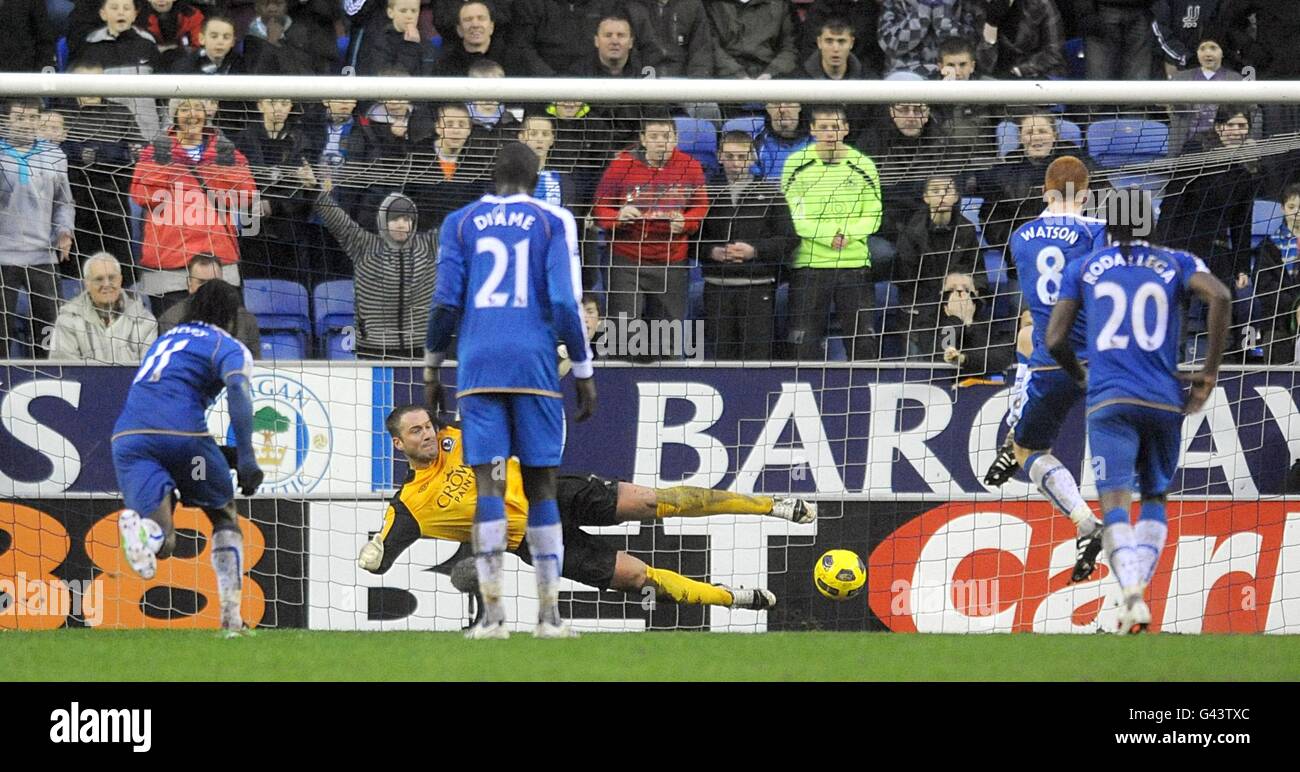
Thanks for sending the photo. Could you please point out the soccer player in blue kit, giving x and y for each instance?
(1043, 249)
(1132, 294)
(161, 443)
(509, 286)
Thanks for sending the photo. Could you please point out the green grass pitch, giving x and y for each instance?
(299, 655)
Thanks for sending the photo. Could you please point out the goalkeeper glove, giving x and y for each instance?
(372, 555)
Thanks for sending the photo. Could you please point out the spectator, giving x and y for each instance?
(745, 239)
(650, 201)
(103, 324)
(124, 50)
(614, 54)
(492, 123)
(275, 147)
(676, 39)
(36, 221)
(52, 129)
(30, 39)
(453, 128)
(318, 22)
(863, 17)
(1117, 38)
(397, 45)
(1181, 26)
(834, 196)
(754, 39)
(176, 27)
(908, 146)
(935, 243)
(555, 188)
(475, 40)
(275, 44)
(784, 131)
(965, 338)
(911, 31)
(217, 55)
(552, 36)
(1275, 284)
(200, 270)
(326, 129)
(395, 270)
(102, 137)
(1187, 121)
(462, 169)
(198, 192)
(446, 19)
(972, 127)
(1022, 39)
(834, 58)
(1270, 51)
(1012, 190)
(1209, 209)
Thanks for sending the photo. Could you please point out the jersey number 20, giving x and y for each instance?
(487, 295)
(1147, 340)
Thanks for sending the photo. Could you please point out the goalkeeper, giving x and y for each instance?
(438, 497)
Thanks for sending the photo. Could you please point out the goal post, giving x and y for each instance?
(850, 337)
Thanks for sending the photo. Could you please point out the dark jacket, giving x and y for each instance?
(199, 63)
(1277, 28)
(99, 151)
(862, 15)
(928, 252)
(674, 37)
(1181, 24)
(812, 68)
(904, 164)
(550, 36)
(455, 60)
(273, 161)
(1277, 297)
(591, 67)
(753, 38)
(29, 40)
(758, 216)
(303, 50)
(1030, 37)
(1210, 212)
(387, 48)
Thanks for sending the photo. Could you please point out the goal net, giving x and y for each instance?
(795, 290)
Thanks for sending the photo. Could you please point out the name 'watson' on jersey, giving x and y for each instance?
(1134, 315)
(1041, 249)
(507, 263)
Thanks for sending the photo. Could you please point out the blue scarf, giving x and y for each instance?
(1286, 243)
(24, 165)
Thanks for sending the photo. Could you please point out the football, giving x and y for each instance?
(840, 574)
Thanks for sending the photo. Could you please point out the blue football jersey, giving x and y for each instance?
(510, 266)
(1041, 249)
(182, 373)
(1133, 305)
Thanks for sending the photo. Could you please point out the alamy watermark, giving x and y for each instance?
(181, 206)
(24, 597)
(1132, 207)
(621, 336)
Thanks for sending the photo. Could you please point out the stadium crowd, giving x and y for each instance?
(795, 232)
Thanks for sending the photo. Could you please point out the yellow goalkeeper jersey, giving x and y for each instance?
(442, 497)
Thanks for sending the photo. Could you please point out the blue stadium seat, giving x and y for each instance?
(1127, 141)
(970, 209)
(1265, 222)
(751, 125)
(70, 288)
(61, 53)
(334, 315)
(699, 138)
(1008, 134)
(281, 310)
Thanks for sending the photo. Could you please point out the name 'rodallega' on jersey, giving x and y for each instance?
(510, 266)
(1132, 300)
(1042, 248)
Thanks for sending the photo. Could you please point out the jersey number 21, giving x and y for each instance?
(487, 295)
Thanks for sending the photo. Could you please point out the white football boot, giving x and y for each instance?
(141, 540)
(1134, 616)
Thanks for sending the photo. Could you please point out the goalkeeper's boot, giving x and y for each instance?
(1086, 550)
(1134, 616)
(795, 510)
(752, 599)
(1004, 466)
(141, 539)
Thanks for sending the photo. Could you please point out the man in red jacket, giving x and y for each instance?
(651, 200)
